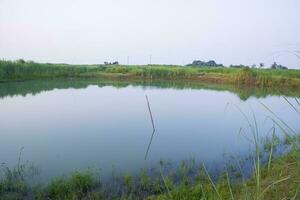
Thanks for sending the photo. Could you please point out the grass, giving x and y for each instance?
(13, 182)
(77, 186)
(21, 70)
(279, 181)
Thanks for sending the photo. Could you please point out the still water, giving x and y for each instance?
(107, 126)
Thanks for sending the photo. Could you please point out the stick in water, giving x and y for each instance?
(153, 127)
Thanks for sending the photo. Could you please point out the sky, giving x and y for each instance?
(157, 31)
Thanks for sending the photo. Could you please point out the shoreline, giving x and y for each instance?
(188, 180)
(249, 77)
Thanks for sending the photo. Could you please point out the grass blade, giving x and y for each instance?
(297, 111)
(274, 183)
(212, 183)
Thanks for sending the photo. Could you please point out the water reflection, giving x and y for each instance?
(102, 124)
(37, 86)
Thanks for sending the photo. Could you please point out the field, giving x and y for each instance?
(21, 70)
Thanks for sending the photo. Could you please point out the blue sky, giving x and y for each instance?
(171, 31)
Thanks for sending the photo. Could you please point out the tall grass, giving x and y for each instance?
(16, 70)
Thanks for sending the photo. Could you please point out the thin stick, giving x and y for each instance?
(153, 128)
(149, 108)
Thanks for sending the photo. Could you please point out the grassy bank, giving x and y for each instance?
(279, 180)
(20, 70)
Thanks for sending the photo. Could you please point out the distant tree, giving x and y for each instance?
(277, 66)
(200, 63)
(261, 65)
(274, 65)
(253, 66)
(211, 63)
(238, 66)
(113, 63)
(21, 61)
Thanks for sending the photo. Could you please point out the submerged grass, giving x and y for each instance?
(278, 181)
(77, 186)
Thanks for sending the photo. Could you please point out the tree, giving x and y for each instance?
(261, 65)
(200, 63)
(274, 65)
(21, 61)
(238, 66)
(277, 66)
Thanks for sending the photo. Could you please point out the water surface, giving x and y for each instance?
(87, 124)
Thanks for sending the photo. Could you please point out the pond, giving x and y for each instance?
(68, 125)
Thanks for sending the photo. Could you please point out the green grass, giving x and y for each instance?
(21, 70)
(13, 181)
(77, 186)
(281, 181)
(18, 70)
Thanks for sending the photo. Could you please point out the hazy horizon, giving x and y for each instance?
(171, 32)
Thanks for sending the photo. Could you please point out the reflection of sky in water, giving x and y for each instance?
(69, 129)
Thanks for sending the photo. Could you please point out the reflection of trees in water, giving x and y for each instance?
(36, 86)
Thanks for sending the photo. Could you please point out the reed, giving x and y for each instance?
(266, 78)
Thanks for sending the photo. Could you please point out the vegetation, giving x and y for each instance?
(277, 66)
(266, 78)
(210, 63)
(21, 70)
(279, 181)
(275, 175)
